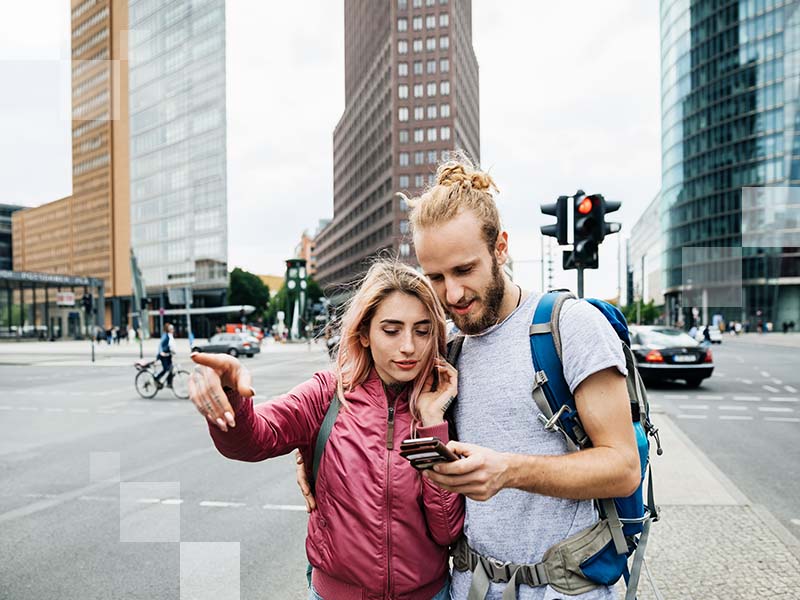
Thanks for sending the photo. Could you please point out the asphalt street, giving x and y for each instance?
(746, 419)
(106, 495)
(103, 492)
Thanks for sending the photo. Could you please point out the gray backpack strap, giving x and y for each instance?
(454, 349)
(323, 435)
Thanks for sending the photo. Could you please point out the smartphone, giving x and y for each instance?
(423, 453)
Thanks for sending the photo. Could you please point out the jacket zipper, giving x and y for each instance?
(389, 447)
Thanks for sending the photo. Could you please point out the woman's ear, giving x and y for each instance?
(364, 340)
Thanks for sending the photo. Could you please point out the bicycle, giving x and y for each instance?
(147, 385)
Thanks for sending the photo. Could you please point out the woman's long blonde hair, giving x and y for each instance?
(353, 360)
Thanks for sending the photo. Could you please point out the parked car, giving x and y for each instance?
(714, 332)
(229, 343)
(666, 354)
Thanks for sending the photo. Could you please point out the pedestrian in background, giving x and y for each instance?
(381, 530)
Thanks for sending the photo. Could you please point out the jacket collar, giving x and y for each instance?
(385, 394)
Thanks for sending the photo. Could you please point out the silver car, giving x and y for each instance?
(234, 344)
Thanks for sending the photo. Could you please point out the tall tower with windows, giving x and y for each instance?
(411, 96)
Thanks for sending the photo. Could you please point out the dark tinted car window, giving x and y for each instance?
(666, 337)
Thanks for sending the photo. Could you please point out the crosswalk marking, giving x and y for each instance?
(783, 419)
(770, 389)
(748, 398)
(677, 396)
(790, 389)
(783, 399)
(733, 407)
(222, 504)
(692, 416)
(693, 406)
(775, 409)
(706, 397)
(735, 418)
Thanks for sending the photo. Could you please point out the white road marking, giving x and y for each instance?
(703, 397)
(782, 399)
(28, 408)
(148, 500)
(770, 389)
(54, 409)
(222, 504)
(775, 409)
(99, 498)
(790, 389)
(6, 408)
(735, 418)
(676, 396)
(783, 419)
(748, 398)
(692, 416)
(693, 406)
(654, 406)
(292, 507)
(172, 501)
(765, 374)
(106, 412)
(746, 381)
(733, 407)
(79, 410)
(795, 522)
(777, 381)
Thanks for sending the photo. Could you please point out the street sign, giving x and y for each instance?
(180, 295)
(161, 312)
(65, 298)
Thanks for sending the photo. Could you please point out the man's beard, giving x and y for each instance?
(491, 299)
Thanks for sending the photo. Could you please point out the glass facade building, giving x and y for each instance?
(730, 78)
(178, 143)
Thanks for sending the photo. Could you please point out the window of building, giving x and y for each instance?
(432, 157)
(444, 20)
(444, 65)
(402, 24)
(402, 91)
(430, 44)
(431, 134)
(402, 113)
(417, 4)
(403, 158)
(404, 226)
(444, 133)
(444, 88)
(430, 2)
(430, 22)
(444, 111)
(419, 113)
(417, 67)
(431, 89)
(419, 135)
(431, 111)
(402, 69)
(419, 181)
(402, 47)
(419, 157)
(403, 182)
(444, 42)
(418, 45)
(431, 179)
(417, 23)
(418, 90)
(402, 4)
(403, 202)
(431, 67)
(442, 2)
(403, 136)
(405, 249)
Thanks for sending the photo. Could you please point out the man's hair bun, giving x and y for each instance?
(464, 175)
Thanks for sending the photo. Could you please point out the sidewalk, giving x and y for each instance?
(785, 340)
(711, 542)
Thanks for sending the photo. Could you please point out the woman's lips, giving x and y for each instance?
(406, 365)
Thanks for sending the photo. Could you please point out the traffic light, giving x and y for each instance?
(558, 210)
(609, 206)
(586, 229)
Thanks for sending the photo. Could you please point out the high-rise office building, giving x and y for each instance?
(88, 234)
(411, 96)
(178, 146)
(6, 248)
(730, 74)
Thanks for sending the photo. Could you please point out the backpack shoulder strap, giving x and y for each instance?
(551, 392)
(323, 435)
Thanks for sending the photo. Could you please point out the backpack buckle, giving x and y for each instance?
(551, 424)
(500, 571)
(539, 379)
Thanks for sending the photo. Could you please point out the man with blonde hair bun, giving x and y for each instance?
(525, 490)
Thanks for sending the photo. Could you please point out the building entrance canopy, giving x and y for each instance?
(48, 305)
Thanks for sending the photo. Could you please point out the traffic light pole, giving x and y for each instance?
(580, 282)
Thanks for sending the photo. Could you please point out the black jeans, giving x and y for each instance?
(166, 367)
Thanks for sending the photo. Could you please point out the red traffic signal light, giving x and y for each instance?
(585, 206)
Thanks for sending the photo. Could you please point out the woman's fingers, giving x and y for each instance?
(206, 393)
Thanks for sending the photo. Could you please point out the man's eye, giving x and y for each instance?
(435, 277)
(464, 271)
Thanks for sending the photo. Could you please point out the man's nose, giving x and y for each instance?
(453, 291)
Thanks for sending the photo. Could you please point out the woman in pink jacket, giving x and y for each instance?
(381, 530)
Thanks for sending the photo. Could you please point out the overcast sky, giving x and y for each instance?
(569, 96)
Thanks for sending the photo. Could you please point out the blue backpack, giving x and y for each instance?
(598, 555)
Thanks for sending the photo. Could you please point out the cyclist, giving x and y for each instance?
(166, 348)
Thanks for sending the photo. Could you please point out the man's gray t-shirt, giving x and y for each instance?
(495, 409)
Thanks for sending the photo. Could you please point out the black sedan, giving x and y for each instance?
(666, 353)
(229, 343)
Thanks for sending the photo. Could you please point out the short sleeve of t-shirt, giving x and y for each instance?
(588, 343)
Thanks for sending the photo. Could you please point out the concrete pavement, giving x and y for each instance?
(711, 542)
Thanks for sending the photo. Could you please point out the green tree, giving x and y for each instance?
(277, 303)
(649, 312)
(246, 288)
(313, 291)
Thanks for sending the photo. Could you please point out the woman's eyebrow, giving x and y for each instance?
(398, 322)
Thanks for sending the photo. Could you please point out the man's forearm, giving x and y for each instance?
(591, 473)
